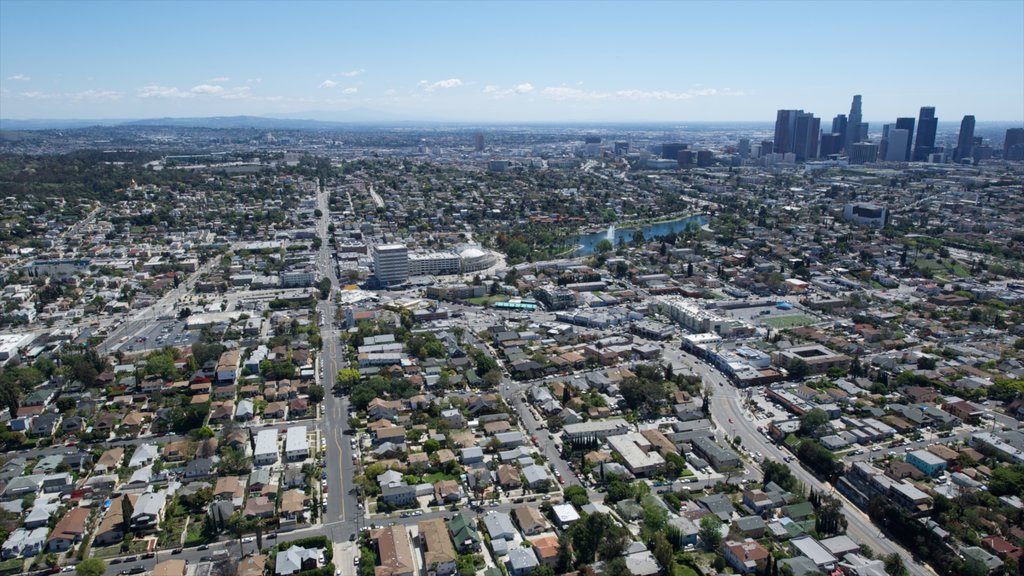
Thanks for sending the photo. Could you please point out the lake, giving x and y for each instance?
(588, 242)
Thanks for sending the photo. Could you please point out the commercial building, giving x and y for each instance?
(864, 214)
(907, 123)
(927, 124)
(640, 456)
(595, 429)
(965, 141)
(817, 358)
(926, 462)
(391, 264)
(434, 264)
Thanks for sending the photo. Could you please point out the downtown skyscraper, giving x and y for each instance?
(853, 123)
(965, 142)
(797, 132)
(927, 124)
(908, 125)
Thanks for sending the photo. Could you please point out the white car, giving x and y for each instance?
(248, 539)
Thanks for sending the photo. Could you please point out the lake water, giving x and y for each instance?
(588, 242)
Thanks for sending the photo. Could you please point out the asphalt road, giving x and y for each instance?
(341, 517)
(728, 412)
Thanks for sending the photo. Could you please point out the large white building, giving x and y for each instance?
(434, 264)
(391, 263)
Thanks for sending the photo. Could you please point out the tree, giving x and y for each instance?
(894, 565)
(779, 473)
(316, 393)
(798, 369)
(710, 532)
(604, 246)
(348, 377)
(431, 446)
(91, 567)
(813, 420)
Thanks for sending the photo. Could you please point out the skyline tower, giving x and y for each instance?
(785, 129)
(839, 127)
(1013, 145)
(965, 142)
(907, 123)
(853, 125)
(806, 133)
(927, 124)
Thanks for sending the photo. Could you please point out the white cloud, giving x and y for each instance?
(207, 89)
(328, 84)
(348, 91)
(352, 73)
(562, 93)
(499, 92)
(35, 95)
(96, 95)
(237, 93)
(154, 91)
(254, 81)
(20, 78)
(391, 92)
(443, 84)
(219, 80)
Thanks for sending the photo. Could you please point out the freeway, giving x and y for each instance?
(727, 410)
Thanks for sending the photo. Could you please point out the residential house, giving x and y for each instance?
(148, 512)
(69, 530)
(438, 553)
(530, 520)
(296, 559)
(394, 551)
(745, 557)
(521, 561)
(462, 528)
(113, 527)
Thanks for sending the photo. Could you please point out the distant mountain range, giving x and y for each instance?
(257, 122)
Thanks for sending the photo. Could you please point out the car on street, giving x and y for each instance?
(248, 539)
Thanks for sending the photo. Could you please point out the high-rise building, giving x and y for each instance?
(831, 144)
(863, 153)
(1013, 145)
(839, 127)
(621, 148)
(896, 150)
(670, 151)
(908, 125)
(744, 148)
(965, 142)
(767, 147)
(478, 142)
(927, 123)
(853, 125)
(797, 131)
(785, 130)
(805, 140)
(686, 158)
(705, 158)
(391, 263)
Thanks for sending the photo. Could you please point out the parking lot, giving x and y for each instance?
(157, 335)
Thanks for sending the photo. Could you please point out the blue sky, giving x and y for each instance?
(511, 61)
